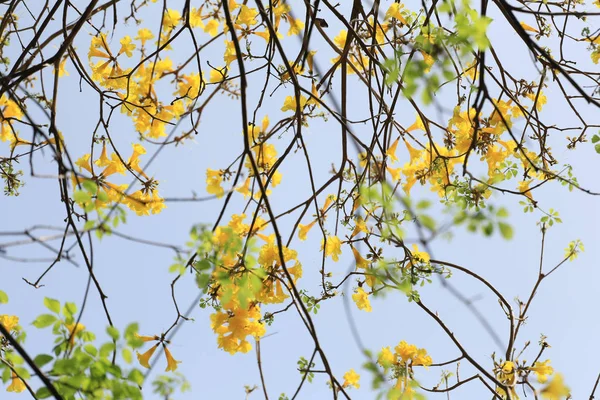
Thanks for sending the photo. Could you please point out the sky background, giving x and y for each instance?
(136, 279)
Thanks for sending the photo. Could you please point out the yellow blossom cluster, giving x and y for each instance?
(435, 164)
(384, 32)
(272, 290)
(401, 362)
(143, 202)
(144, 358)
(239, 315)
(265, 156)
(509, 373)
(233, 324)
(9, 112)
(11, 323)
(351, 379)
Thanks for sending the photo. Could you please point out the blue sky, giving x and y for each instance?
(136, 279)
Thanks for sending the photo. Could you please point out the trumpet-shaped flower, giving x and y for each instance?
(145, 357)
(17, 385)
(9, 322)
(351, 378)
(333, 248)
(361, 298)
(171, 362)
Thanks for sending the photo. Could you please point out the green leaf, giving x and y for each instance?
(502, 213)
(423, 205)
(44, 321)
(595, 138)
(90, 186)
(90, 349)
(597, 147)
(505, 230)
(89, 225)
(202, 281)
(42, 359)
(113, 332)
(488, 229)
(81, 197)
(427, 222)
(106, 349)
(136, 377)
(127, 355)
(3, 297)
(43, 393)
(52, 305)
(102, 196)
(69, 309)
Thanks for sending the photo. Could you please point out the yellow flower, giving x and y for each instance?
(9, 322)
(171, 19)
(420, 256)
(303, 229)
(541, 99)
(196, 18)
(289, 103)
(212, 27)
(144, 35)
(333, 248)
(406, 351)
(351, 378)
(247, 15)
(361, 262)
(524, 188)
(218, 75)
(145, 338)
(340, 39)
(391, 152)
(422, 358)
(171, 362)
(230, 53)
(429, 60)
(213, 181)
(17, 385)
(328, 200)
(471, 70)
(506, 374)
(134, 159)
(296, 26)
(413, 153)
(361, 298)
(417, 125)
(145, 358)
(361, 226)
(61, 68)
(245, 188)
(556, 389)
(394, 12)
(126, 46)
(74, 330)
(103, 161)
(529, 28)
(542, 370)
(386, 358)
(394, 173)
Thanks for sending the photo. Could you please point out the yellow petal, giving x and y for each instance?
(17, 385)
(145, 358)
(145, 338)
(171, 362)
(529, 28)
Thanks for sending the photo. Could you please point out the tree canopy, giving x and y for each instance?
(316, 186)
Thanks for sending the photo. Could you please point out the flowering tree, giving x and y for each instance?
(343, 142)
